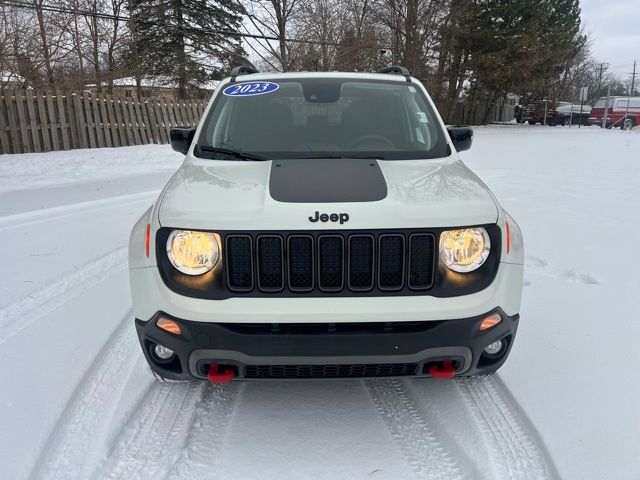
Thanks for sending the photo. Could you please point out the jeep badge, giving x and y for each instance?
(334, 217)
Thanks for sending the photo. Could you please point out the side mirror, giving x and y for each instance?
(181, 138)
(462, 137)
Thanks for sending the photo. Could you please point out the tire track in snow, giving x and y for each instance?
(516, 452)
(154, 438)
(425, 452)
(210, 427)
(65, 211)
(17, 316)
(73, 449)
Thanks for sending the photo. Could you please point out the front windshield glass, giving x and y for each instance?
(309, 118)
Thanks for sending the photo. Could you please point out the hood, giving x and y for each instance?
(353, 194)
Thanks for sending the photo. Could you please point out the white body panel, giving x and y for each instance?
(151, 295)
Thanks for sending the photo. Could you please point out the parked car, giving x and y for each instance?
(534, 113)
(568, 114)
(623, 112)
(557, 113)
(323, 225)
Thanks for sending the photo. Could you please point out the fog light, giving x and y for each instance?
(494, 348)
(162, 352)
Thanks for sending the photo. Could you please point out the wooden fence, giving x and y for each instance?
(32, 121)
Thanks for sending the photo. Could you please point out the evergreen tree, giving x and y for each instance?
(520, 45)
(181, 40)
(559, 44)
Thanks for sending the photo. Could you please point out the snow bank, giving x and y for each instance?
(22, 171)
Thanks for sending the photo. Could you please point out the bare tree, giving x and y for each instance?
(115, 41)
(322, 21)
(93, 29)
(44, 42)
(363, 42)
(53, 29)
(274, 18)
(413, 27)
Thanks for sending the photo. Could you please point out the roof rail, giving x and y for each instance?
(242, 70)
(397, 70)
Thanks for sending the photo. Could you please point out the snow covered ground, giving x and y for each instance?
(76, 400)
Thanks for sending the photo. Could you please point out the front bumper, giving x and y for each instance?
(327, 350)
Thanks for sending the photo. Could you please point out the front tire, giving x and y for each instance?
(566, 121)
(628, 124)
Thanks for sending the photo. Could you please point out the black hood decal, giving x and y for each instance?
(331, 180)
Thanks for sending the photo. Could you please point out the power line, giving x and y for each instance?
(108, 16)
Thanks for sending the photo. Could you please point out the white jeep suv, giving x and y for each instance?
(322, 225)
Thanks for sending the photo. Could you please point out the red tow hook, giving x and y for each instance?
(443, 371)
(219, 374)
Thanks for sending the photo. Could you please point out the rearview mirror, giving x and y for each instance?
(462, 137)
(181, 138)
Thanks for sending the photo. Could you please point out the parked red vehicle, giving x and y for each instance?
(617, 112)
(556, 113)
(535, 113)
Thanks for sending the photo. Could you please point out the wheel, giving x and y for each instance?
(628, 124)
(532, 122)
(566, 121)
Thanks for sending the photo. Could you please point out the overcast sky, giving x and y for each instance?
(614, 28)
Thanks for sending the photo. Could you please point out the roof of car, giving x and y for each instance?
(296, 75)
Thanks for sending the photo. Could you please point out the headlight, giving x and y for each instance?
(193, 253)
(464, 250)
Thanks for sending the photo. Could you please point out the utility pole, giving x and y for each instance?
(606, 108)
(631, 91)
(600, 78)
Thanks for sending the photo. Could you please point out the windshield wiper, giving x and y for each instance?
(231, 153)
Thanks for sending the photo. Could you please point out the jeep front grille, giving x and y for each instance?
(330, 263)
(270, 263)
(301, 271)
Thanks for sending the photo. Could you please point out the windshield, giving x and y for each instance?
(309, 118)
(600, 103)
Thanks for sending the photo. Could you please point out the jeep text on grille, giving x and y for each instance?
(326, 217)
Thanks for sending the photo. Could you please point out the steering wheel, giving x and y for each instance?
(376, 138)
